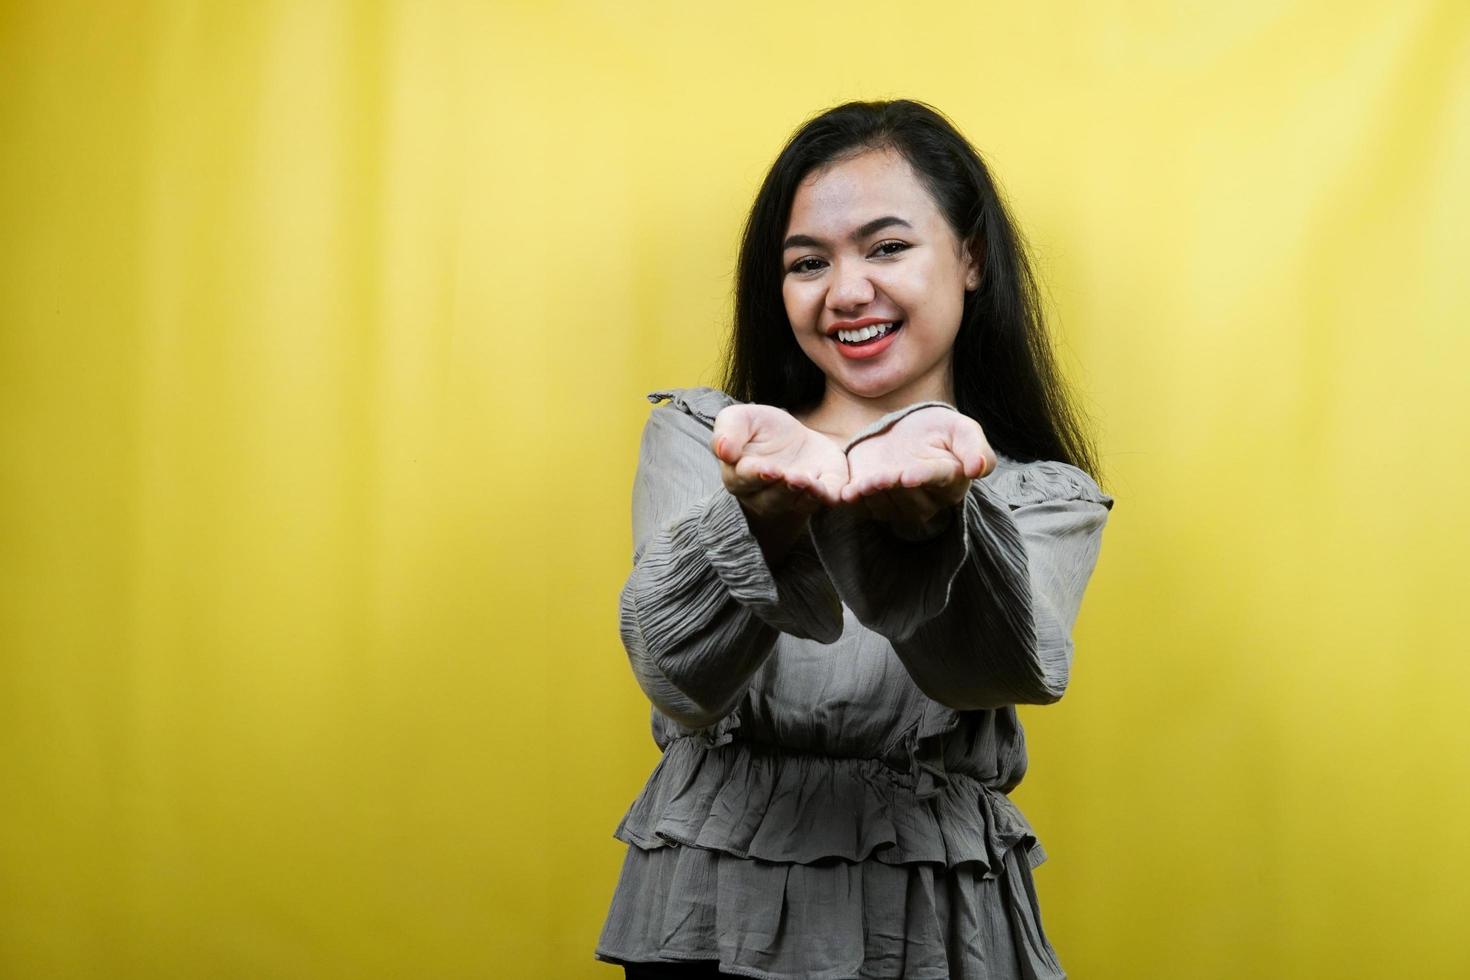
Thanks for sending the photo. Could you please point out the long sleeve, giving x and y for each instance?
(981, 614)
(701, 609)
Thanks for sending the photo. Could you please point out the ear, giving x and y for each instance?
(974, 261)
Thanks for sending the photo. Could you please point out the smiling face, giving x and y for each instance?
(867, 249)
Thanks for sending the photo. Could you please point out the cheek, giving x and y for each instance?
(941, 292)
(797, 302)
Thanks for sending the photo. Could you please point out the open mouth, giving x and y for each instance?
(867, 336)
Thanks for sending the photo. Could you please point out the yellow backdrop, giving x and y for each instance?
(324, 335)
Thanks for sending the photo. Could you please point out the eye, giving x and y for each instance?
(800, 265)
(891, 247)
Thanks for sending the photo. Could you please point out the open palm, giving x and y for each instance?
(774, 464)
(908, 475)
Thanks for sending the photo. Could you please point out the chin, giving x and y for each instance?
(874, 388)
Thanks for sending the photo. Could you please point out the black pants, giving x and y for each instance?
(693, 970)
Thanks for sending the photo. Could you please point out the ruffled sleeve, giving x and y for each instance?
(980, 613)
(701, 609)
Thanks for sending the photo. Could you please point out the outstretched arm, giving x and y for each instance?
(980, 610)
(702, 607)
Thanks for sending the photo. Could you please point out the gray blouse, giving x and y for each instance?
(839, 733)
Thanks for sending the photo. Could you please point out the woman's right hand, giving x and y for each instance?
(774, 465)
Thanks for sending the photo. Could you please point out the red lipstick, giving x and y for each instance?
(866, 321)
(868, 348)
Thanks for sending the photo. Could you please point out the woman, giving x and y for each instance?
(849, 566)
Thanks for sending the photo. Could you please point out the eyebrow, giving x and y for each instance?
(877, 224)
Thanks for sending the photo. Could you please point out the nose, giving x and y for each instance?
(849, 286)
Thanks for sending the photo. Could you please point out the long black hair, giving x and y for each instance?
(1005, 375)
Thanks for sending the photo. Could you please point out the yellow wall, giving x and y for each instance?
(324, 331)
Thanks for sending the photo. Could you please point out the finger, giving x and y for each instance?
(822, 487)
(930, 471)
(948, 489)
(858, 506)
(829, 488)
(744, 486)
(973, 452)
(856, 490)
(733, 481)
(760, 467)
(838, 485)
(752, 473)
(732, 432)
(745, 482)
(798, 481)
(871, 483)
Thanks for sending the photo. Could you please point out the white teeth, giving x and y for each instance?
(863, 333)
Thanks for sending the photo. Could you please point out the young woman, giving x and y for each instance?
(850, 565)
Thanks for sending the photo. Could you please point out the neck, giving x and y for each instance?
(842, 414)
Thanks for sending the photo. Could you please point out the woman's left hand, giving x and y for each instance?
(919, 468)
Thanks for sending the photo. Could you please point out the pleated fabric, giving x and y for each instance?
(839, 734)
(832, 920)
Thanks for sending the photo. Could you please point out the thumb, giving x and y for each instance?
(968, 446)
(832, 482)
(732, 432)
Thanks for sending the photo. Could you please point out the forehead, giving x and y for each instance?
(851, 191)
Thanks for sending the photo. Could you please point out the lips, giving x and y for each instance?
(866, 321)
(870, 347)
(868, 334)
